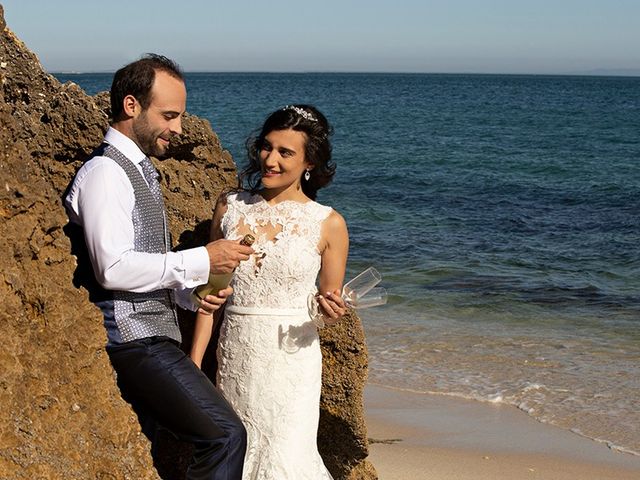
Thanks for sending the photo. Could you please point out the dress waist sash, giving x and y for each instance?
(289, 312)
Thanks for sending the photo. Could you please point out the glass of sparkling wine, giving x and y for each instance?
(359, 286)
(359, 292)
(374, 297)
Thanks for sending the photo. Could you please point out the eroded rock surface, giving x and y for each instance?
(63, 416)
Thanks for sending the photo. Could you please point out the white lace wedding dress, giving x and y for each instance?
(269, 360)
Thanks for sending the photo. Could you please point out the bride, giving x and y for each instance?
(269, 360)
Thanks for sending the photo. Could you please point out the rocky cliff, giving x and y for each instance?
(62, 412)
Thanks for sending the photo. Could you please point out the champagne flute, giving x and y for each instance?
(359, 285)
(374, 297)
(359, 292)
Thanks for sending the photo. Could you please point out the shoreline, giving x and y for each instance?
(437, 437)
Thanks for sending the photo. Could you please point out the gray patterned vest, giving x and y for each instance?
(149, 314)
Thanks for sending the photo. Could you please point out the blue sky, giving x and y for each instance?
(482, 36)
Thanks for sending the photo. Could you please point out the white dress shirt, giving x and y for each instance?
(101, 200)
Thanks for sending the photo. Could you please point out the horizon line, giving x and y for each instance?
(632, 73)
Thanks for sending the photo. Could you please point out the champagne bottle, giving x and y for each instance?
(219, 281)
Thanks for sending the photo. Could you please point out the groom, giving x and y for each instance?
(115, 199)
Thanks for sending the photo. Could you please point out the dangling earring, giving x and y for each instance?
(307, 175)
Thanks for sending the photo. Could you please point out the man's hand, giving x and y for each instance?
(211, 303)
(225, 255)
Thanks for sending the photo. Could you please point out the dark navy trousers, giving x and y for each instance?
(165, 388)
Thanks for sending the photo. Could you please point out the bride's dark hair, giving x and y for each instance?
(317, 148)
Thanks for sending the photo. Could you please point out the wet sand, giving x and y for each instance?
(420, 436)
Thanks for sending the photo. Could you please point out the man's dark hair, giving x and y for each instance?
(137, 79)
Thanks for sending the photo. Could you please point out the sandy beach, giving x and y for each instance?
(420, 436)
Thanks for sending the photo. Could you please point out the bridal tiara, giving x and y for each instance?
(302, 112)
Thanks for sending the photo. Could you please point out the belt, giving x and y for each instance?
(288, 312)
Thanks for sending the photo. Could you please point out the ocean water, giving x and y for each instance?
(504, 215)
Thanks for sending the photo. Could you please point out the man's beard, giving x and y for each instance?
(148, 140)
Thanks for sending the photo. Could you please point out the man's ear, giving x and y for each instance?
(130, 106)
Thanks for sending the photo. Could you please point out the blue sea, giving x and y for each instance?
(504, 215)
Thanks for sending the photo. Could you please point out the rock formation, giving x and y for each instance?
(63, 416)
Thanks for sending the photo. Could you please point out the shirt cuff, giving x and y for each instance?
(196, 266)
(184, 299)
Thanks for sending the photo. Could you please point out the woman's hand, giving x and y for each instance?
(211, 303)
(333, 306)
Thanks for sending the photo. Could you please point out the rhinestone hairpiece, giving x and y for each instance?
(302, 112)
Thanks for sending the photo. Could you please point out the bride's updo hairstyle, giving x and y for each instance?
(317, 149)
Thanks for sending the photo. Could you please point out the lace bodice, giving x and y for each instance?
(284, 269)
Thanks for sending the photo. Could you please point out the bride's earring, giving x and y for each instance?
(307, 175)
